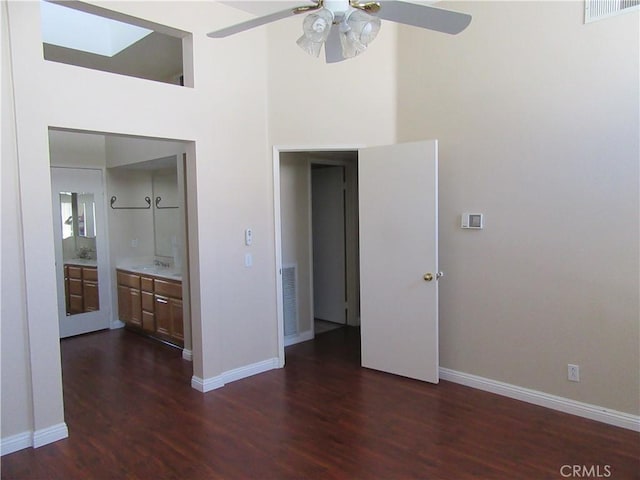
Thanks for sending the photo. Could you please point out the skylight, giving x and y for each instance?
(70, 28)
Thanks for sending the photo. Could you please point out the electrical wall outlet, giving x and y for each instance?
(573, 372)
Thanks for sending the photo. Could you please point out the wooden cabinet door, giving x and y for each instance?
(90, 294)
(163, 315)
(76, 305)
(136, 307)
(124, 304)
(177, 327)
(148, 321)
(148, 316)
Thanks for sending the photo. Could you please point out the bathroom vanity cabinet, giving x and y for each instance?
(151, 304)
(81, 288)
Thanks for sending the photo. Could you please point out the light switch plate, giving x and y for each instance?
(472, 220)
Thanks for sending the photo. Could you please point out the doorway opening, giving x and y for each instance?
(317, 241)
(396, 187)
(121, 245)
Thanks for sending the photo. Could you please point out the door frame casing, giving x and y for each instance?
(277, 150)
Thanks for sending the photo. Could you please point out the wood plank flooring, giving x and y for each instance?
(132, 414)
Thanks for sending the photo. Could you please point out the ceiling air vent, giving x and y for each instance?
(599, 9)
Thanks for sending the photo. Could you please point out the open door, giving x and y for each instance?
(82, 268)
(398, 191)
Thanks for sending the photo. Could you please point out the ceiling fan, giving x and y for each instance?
(347, 27)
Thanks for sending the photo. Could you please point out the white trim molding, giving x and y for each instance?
(298, 337)
(16, 442)
(187, 354)
(35, 439)
(206, 384)
(562, 404)
(213, 383)
(50, 434)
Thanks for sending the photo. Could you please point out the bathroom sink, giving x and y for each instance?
(145, 268)
(156, 270)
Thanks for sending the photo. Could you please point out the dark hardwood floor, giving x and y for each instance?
(132, 414)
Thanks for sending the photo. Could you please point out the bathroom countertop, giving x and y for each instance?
(168, 273)
(84, 262)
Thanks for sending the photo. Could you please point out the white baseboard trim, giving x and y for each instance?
(116, 324)
(206, 384)
(50, 435)
(250, 370)
(16, 442)
(35, 439)
(298, 338)
(562, 404)
(187, 354)
(212, 383)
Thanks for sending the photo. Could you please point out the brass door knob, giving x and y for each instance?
(428, 277)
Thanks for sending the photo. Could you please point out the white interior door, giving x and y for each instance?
(79, 226)
(327, 195)
(398, 191)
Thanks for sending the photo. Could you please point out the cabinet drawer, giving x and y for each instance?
(128, 279)
(90, 274)
(75, 272)
(170, 289)
(147, 284)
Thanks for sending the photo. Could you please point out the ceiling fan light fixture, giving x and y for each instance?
(364, 26)
(315, 28)
(357, 31)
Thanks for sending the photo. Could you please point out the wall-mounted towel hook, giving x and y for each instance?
(158, 200)
(146, 199)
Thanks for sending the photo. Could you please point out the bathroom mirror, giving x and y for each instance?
(166, 213)
(78, 222)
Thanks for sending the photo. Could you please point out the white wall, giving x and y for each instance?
(346, 103)
(537, 120)
(71, 149)
(16, 377)
(130, 231)
(126, 150)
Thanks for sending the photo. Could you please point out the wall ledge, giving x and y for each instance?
(562, 404)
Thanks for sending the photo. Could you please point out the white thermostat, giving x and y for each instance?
(472, 220)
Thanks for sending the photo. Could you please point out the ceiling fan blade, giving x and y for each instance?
(333, 47)
(423, 16)
(253, 23)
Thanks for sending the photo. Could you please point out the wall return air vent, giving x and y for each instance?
(599, 9)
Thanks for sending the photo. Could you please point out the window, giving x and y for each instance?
(87, 36)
